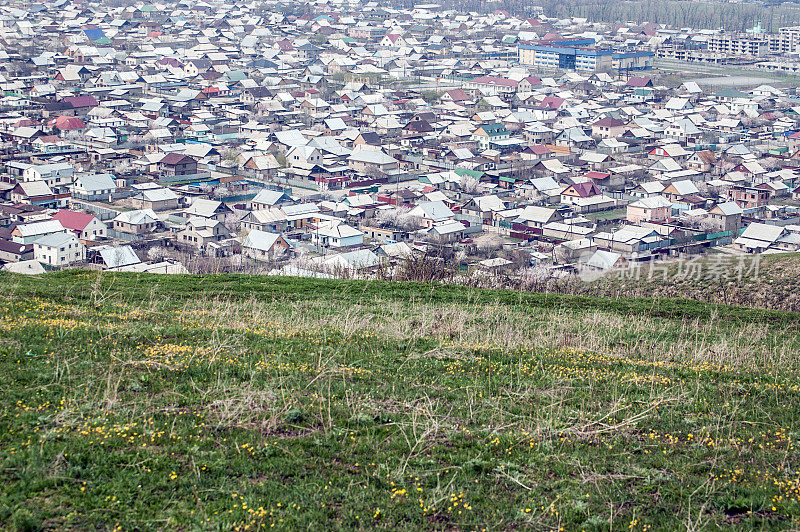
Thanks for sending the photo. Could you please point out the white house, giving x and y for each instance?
(336, 234)
(94, 187)
(59, 249)
(57, 176)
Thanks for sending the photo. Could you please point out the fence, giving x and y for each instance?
(102, 213)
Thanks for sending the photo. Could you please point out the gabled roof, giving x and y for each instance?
(653, 202)
(118, 256)
(56, 240)
(76, 221)
(139, 217)
(270, 197)
(260, 240)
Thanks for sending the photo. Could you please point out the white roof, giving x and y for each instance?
(685, 187)
(40, 228)
(729, 208)
(432, 210)
(55, 240)
(653, 202)
(371, 157)
(95, 182)
(532, 213)
(763, 233)
(142, 216)
(25, 267)
(203, 207)
(117, 256)
(260, 240)
(603, 260)
(157, 194)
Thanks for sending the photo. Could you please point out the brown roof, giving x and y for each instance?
(176, 158)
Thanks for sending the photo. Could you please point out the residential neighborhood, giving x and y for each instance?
(335, 138)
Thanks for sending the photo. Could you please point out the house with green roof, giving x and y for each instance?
(488, 133)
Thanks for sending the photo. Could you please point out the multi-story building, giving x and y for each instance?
(788, 40)
(557, 56)
(734, 44)
(578, 54)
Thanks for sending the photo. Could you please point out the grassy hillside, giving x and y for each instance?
(237, 402)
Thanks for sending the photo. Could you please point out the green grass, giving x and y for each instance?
(217, 402)
(614, 214)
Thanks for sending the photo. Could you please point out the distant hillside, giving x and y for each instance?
(243, 402)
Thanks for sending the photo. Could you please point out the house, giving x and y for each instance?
(701, 161)
(747, 197)
(37, 193)
(263, 166)
(136, 222)
(758, 237)
(116, 257)
(682, 129)
(585, 189)
(87, 227)
(336, 234)
(535, 218)
(349, 261)
(608, 127)
(679, 190)
(267, 199)
(154, 197)
(264, 246)
(30, 232)
(173, 164)
(483, 208)
(447, 231)
(432, 212)
(15, 252)
(57, 176)
(208, 209)
(303, 157)
(728, 216)
(647, 189)
(25, 267)
(94, 187)
(602, 261)
(630, 240)
(59, 249)
(488, 133)
(201, 232)
(367, 161)
(655, 209)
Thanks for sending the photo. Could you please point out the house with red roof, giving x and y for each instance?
(68, 123)
(84, 102)
(639, 82)
(587, 189)
(552, 102)
(456, 95)
(87, 227)
(528, 83)
(535, 152)
(392, 40)
(608, 127)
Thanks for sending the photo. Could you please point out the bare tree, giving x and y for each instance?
(470, 185)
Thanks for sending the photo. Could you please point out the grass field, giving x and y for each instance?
(241, 402)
